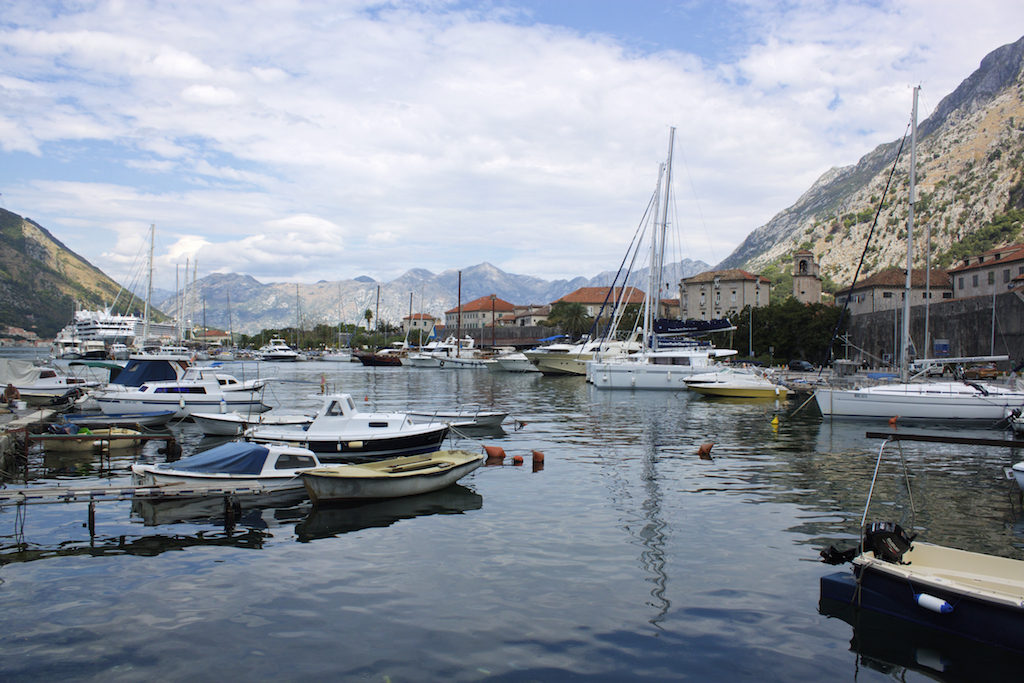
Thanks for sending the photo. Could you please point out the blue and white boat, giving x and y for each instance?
(233, 465)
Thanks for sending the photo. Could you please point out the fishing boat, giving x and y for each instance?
(38, 385)
(340, 433)
(392, 478)
(239, 463)
(235, 423)
(100, 419)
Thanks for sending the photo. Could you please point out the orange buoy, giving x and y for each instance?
(538, 456)
(517, 460)
(494, 453)
(705, 450)
(892, 421)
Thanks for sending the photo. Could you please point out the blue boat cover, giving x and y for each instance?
(139, 371)
(237, 457)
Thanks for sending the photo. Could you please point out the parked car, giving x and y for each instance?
(800, 366)
(986, 371)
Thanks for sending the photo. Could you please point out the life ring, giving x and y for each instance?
(441, 364)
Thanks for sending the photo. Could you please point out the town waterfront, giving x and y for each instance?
(625, 557)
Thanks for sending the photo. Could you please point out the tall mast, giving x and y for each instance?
(458, 319)
(649, 304)
(905, 337)
(149, 288)
(664, 224)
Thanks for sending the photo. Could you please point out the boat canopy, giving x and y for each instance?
(237, 457)
(140, 371)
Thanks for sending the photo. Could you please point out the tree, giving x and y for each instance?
(368, 314)
(570, 317)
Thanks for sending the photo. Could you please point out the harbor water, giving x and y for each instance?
(625, 556)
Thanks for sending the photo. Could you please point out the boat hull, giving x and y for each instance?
(183, 405)
(355, 447)
(151, 477)
(738, 391)
(560, 363)
(235, 424)
(979, 621)
(945, 402)
(635, 375)
(401, 477)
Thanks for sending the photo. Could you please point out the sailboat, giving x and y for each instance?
(929, 400)
(671, 351)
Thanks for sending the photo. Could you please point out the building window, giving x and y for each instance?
(961, 282)
(974, 280)
(734, 296)
(1006, 274)
(886, 295)
(991, 277)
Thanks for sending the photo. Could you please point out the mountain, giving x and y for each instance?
(255, 306)
(970, 172)
(41, 279)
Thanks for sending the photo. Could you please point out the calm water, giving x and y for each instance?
(626, 557)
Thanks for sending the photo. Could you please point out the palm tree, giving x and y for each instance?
(368, 314)
(572, 317)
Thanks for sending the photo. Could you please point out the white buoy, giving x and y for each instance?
(930, 602)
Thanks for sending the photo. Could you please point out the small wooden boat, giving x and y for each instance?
(238, 463)
(99, 419)
(392, 478)
(973, 595)
(87, 440)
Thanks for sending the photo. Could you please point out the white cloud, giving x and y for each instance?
(319, 141)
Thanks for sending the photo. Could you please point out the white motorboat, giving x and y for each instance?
(450, 353)
(393, 478)
(235, 464)
(277, 350)
(37, 385)
(337, 356)
(921, 400)
(561, 358)
(153, 383)
(512, 362)
(739, 385)
(1017, 473)
(341, 433)
(235, 423)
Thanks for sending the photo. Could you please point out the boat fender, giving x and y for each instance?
(705, 450)
(495, 454)
(538, 457)
(888, 540)
(223, 405)
(517, 460)
(441, 363)
(935, 604)
(355, 444)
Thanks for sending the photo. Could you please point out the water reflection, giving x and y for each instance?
(326, 521)
(896, 647)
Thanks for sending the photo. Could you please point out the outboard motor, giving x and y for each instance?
(888, 540)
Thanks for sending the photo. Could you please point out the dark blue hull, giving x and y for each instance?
(972, 618)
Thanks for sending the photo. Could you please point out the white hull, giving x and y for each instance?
(926, 401)
(459, 418)
(641, 376)
(235, 424)
(520, 363)
(561, 363)
(183, 405)
(227, 481)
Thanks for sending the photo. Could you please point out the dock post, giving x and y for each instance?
(92, 519)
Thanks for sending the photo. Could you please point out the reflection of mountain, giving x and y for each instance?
(894, 646)
(325, 521)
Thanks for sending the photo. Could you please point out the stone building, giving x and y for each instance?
(717, 293)
(806, 278)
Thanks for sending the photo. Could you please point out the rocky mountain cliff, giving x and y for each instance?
(970, 170)
(254, 306)
(41, 279)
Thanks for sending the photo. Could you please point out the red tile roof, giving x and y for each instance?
(419, 316)
(597, 295)
(484, 304)
(897, 277)
(986, 259)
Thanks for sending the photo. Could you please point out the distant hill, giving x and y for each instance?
(41, 279)
(970, 172)
(255, 306)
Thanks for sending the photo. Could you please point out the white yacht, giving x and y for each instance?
(277, 349)
(450, 353)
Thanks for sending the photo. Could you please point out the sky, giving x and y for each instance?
(307, 140)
